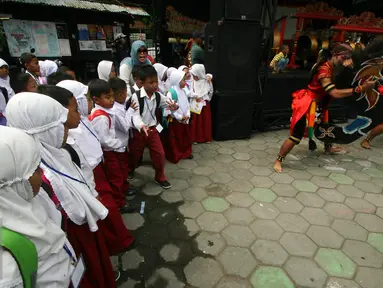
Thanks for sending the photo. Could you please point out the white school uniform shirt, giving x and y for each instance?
(123, 122)
(107, 136)
(183, 104)
(148, 116)
(202, 90)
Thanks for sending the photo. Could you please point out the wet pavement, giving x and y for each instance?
(229, 221)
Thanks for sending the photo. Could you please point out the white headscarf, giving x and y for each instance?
(103, 69)
(169, 73)
(183, 102)
(201, 87)
(161, 70)
(189, 81)
(47, 68)
(23, 213)
(44, 118)
(4, 82)
(84, 135)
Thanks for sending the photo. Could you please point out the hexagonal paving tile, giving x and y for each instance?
(360, 205)
(350, 191)
(376, 199)
(341, 283)
(341, 179)
(191, 209)
(310, 200)
(240, 199)
(164, 274)
(298, 244)
(260, 171)
(376, 240)
(305, 272)
(339, 210)
(212, 272)
(133, 221)
(265, 210)
(210, 243)
(331, 195)
(281, 178)
(363, 254)
(263, 195)
(269, 252)
(358, 176)
(262, 181)
(317, 171)
(132, 259)
(325, 237)
(152, 189)
(194, 194)
(317, 216)
(215, 204)
(183, 229)
(224, 159)
(171, 196)
(241, 174)
(368, 187)
(266, 229)
(208, 153)
(288, 205)
(270, 277)
(237, 261)
(259, 161)
(371, 222)
(285, 190)
(233, 282)
(213, 222)
(335, 263)
(220, 177)
(242, 156)
(240, 236)
(238, 164)
(373, 172)
(305, 186)
(239, 216)
(187, 164)
(379, 212)
(178, 252)
(240, 186)
(226, 151)
(203, 170)
(199, 181)
(323, 182)
(369, 277)
(300, 175)
(350, 230)
(292, 223)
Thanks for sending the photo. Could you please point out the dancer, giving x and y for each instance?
(320, 91)
(371, 135)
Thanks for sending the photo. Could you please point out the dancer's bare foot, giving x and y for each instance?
(277, 166)
(365, 144)
(334, 150)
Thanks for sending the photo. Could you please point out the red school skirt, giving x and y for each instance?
(177, 141)
(201, 125)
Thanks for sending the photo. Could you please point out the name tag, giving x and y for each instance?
(159, 128)
(78, 273)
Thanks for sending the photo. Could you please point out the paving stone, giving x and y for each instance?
(285, 190)
(300, 175)
(288, 205)
(266, 229)
(191, 209)
(368, 187)
(242, 143)
(305, 272)
(325, 237)
(305, 186)
(194, 194)
(240, 216)
(376, 241)
(335, 263)
(281, 178)
(317, 216)
(226, 151)
(316, 171)
(178, 252)
(310, 200)
(242, 156)
(263, 195)
(269, 252)
(208, 153)
(323, 182)
(220, 177)
(376, 159)
(171, 196)
(210, 243)
(203, 170)
(199, 181)
(240, 199)
(257, 147)
(164, 275)
(237, 261)
(152, 231)
(259, 161)
(379, 212)
(376, 199)
(363, 254)
(262, 181)
(339, 210)
(223, 167)
(162, 215)
(370, 222)
(240, 186)
(183, 229)
(260, 171)
(152, 189)
(187, 164)
(212, 272)
(270, 277)
(350, 230)
(360, 205)
(341, 283)
(238, 164)
(341, 179)
(240, 236)
(373, 172)
(206, 162)
(132, 259)
(350, 191)
(298, 244)
(358, 176)
(215, 204)
(133, 221)
(265, 210)
(369, 277)
(331, 195)
(212, 222)
(233, 282)
(129, 284)
(292, 223)
(241, 174)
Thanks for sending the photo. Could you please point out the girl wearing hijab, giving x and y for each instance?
(85, 141)
(45, 119)
(178, 142)
(47, 68)
(168, 74)
(202, 92)
(6, 92)
(138, 57)
(105, 70)
(162, 77)
(188, 76)
(23, 214)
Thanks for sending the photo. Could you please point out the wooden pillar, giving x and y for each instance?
(299, 27)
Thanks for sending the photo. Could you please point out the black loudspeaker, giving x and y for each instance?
(232, 54)
(245, 10)
(232, 115)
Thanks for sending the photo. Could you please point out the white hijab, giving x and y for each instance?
(183, 102)
(5, 82)
(201, 87)
(189, 81)
(169, 73)
(84, 135)
(161, 70)
(21, 212)
(103, 69)
(47, 68)
(44, 118)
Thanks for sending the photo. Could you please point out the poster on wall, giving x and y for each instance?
(18, 37)
(45, 37)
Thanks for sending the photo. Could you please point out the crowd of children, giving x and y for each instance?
(71, 149)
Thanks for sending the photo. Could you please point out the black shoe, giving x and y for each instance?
(131, 192)
(117, 275)
(191, 157)
(128, 208)
(164, 184)
(131, 176)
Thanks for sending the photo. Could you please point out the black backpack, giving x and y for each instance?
(141, 101)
